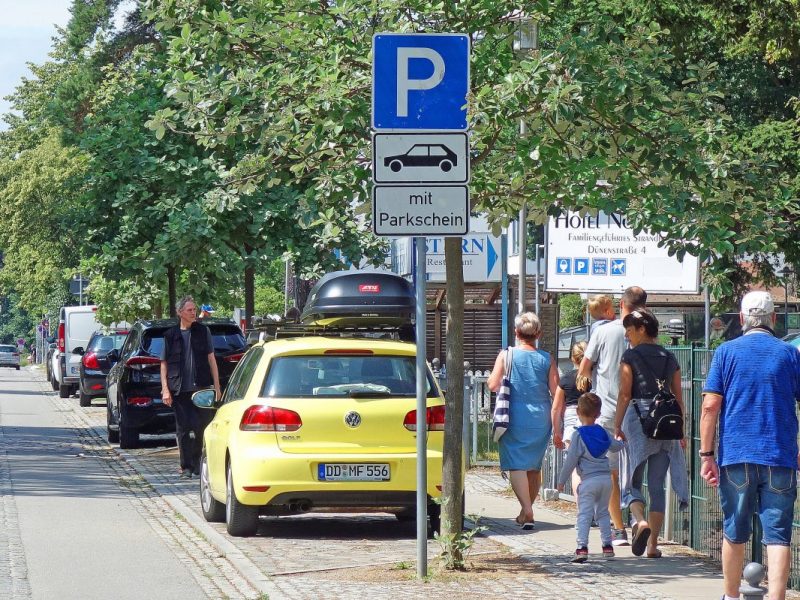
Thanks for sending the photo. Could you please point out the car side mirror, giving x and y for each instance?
(79, 350)
(113, 355)
(204, 399)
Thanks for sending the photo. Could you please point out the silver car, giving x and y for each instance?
(9, 356)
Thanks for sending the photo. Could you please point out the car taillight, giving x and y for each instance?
(434, 416)
(90, 361)
(140, 400)
(142, 362)
(234, 357)
(61, 342)
(268, 418)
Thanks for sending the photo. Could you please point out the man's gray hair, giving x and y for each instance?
(753, 321)
(183, 302)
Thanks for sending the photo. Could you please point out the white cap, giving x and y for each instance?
(757, 304)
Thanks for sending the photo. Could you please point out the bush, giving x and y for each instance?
(571, 310)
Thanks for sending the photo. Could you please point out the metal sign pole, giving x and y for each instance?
(422, 417)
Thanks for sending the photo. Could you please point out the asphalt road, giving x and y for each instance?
(77, 522)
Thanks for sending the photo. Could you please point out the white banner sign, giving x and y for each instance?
(480, 258)
(601, 254)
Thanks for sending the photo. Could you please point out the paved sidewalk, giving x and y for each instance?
(321, 555)
(552, 545)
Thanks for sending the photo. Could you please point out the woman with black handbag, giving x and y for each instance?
(649, 418)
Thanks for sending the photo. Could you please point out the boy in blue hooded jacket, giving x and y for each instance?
(587, 452)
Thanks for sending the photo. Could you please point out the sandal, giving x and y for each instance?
(639, 542)
(526, 525)
(656, 554)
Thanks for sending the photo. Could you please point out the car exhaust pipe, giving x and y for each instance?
(300, 506)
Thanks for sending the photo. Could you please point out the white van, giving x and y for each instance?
(75, 326)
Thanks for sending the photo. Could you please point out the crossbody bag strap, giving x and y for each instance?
(509, 350)
(659, 382)
(647, 366)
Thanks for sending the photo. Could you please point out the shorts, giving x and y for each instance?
(745, 488)
(607, 423)
(571, 422)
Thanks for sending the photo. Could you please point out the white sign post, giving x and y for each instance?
(587, 253)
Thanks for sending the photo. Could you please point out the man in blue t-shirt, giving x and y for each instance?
(751, 388)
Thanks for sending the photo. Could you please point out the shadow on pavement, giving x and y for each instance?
(52, 461)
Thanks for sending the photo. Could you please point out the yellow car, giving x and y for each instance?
(320, 423)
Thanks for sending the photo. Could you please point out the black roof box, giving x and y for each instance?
(360, 299)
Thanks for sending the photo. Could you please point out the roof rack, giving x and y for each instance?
(282, 329)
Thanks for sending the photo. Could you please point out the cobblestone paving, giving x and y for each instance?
(214, 573)
(313, 556)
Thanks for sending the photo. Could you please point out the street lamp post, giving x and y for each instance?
(526, 39)
(786, 272)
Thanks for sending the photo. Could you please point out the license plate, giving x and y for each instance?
(352, 472)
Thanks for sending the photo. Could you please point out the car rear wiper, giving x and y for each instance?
(369, 394)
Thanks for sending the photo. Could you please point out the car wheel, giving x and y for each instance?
(17, 367)
(63, 390)
(445, 165)
(113, 434)
(214, 511)
(83, 399)
(395, 166)
(128, 437)
(53, 382)
(240, 520)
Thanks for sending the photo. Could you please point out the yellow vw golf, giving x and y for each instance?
(320, 423)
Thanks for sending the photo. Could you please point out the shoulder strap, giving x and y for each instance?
(659, 382)
(509, 357)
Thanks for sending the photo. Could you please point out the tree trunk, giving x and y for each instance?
(249, 295)
(452, 460)
(173, 294)
(158, 308)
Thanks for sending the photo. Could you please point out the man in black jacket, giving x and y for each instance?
(187, 365)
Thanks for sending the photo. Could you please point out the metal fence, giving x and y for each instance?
(700, 526)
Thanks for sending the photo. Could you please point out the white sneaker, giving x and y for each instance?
(619, 537)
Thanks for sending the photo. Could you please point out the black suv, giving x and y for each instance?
(134, 382)
(95, 363)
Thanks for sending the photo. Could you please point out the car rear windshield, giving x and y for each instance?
(304, 376)
(226, 338)
(103, 344)
(8, 348)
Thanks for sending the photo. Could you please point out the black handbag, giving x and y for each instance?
(664, 418)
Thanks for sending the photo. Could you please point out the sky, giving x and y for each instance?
(26, 29)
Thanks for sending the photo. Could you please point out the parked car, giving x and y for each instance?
(95, 364)
(75, 326)
(324, 422)
(566, 338)
(9, 356)
(793, 339)
(134, 381)
(48, 361)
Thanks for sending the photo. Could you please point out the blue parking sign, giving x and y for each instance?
(420, 81)
(581, 266)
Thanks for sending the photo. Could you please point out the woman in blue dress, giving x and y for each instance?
(534, 379)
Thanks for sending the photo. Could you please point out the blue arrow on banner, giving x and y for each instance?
(491, 256)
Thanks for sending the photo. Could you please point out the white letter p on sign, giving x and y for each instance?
(404, 84)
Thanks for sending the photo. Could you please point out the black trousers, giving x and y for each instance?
(188, 431)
